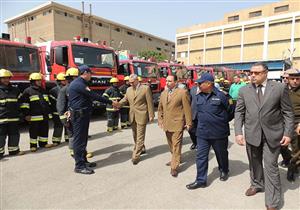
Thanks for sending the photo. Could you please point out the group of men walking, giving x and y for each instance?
(267, 112)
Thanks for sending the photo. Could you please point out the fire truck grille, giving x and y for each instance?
(100, 82)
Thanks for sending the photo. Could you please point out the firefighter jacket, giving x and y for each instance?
(36, 104)
(113, 94)
(123, 90)
(62, 102)
(53, 93)
(9, 104)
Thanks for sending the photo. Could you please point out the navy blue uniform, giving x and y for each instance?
(214, 111)
(192, 131)
(80, 105)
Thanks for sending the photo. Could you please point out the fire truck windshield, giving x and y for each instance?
(145, 70)
(19, 59)
(93, 57)
(180, 71)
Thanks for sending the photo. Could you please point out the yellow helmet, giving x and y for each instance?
(140, 79)
(222, 79)
(61, 76)
(72, 72)
(126, 78)
(217, 80)
(35, 76)
(226, 81)
(5, 73)
(114, 80)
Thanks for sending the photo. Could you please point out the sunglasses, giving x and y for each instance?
(256, 72)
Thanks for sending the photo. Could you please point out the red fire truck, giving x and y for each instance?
(19, 58)
(58, 56)
(179, 70)
(146, 70)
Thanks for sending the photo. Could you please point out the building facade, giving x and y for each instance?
(54, 21)
(269, 32)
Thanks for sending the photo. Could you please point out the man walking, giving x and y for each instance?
(214, 111)
(139, 98)
(265, 110)
(174, 115)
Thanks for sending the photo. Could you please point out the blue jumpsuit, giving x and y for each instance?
(80, 105)
(214, 111)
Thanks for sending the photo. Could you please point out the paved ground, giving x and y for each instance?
(45, 180)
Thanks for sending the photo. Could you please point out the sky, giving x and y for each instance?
(157, 17)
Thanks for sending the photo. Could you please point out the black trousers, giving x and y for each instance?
(112, 119)
(124, 117)
(58, 130)
(10, 130)
(80, 124)
(192, 132)
(38, 133)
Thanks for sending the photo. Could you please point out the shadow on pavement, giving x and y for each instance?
(114, 158)
(111, 149)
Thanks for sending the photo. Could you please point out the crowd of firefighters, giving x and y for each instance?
(38, 106)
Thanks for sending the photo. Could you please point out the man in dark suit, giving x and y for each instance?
(193, 92)
(265, 110)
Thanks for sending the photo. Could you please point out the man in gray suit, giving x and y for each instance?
(265, 110)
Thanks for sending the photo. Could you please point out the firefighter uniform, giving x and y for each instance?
(9, 116)
(113, 93)
(36, 108)
(124, 111)
(58, 126)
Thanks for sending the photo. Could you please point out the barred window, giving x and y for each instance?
(233, 18)
(281, 9)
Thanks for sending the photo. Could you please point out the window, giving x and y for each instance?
(158, 48)
(281, 9)
(183, 54)
(173, 46)
(31, 18)
(141, 36)
(182, 41)
(117, 29)
(130, 33)
(166, 44)
(66, 14)
(255, 14)
(47, 12)
(233, 18)
(150, 39)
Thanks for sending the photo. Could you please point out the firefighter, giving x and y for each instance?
(124, 111)
(58, 126)
(9, 115)
(36, 108)
(113, 93)
(62, 107)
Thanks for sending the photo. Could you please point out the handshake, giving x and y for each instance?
(116, 104)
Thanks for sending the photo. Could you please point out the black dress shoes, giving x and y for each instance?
(90, 164)
(195, 185)
(193, 146)
(86, 171)
(223, 176)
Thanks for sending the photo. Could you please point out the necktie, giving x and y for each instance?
(259, 93)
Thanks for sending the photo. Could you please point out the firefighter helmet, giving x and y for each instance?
(61, 76)
(72, 72)
(226, 81)
(5, 73)
(114, 80)
(126, 78)
(217, 80)
(35, 76)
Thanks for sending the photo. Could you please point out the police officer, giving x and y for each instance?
(124, 111)
(36, 108)
(9, 115)
(294, 93)
(58, 126)
(214, 113)
(112, 93)
(80, 105)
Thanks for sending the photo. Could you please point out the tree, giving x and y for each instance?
(151, 54)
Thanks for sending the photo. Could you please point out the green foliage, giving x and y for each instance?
(151, 54)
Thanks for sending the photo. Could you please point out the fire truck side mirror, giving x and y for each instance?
(48, 63)
(61, 55)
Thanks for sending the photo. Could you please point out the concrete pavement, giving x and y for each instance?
(45, 180)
